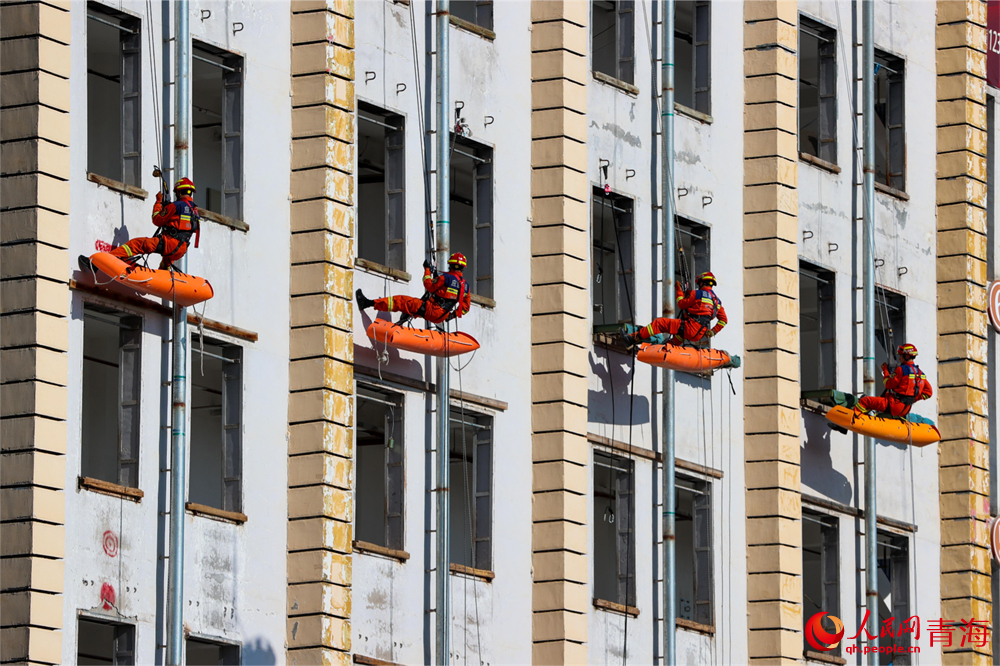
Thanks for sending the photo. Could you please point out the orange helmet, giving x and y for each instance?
(906, 350)
(457, 259)
(707, 277)
(184, 184)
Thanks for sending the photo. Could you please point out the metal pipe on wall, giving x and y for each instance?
(871, 527)
(178, 384)
(442, 639)
(667, 286)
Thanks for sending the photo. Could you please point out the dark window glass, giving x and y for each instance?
(217, 129)
(612, 283)
(379, 467)
(613, 38)
(817, 328)
(817, 90)
(381, 187)
(614, 529)
(890, 117)
(692, 54)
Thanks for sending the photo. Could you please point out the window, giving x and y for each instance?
(105, 643)
(217, 129)
(817, 90)
(612, 279)
(817, 328)
(692, 54)
(694, 550)
(820, 569)
(613, 39)
(379, 468)
(202, 651)
(471, 457)
(114, 105)
(890, 328)
(112, 370)
(893, 593)
(694, 240)
(472, 212)
(890, 118)
(381, 212)
(216, 425)
(614, 529)
(477, 12)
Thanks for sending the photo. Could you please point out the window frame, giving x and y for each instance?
(829, 526)
(701, 55)
(121, 655)
(224, 645)
(482, 498)
(889, 545)
(130, 92)
(623, 500)
(483, 14)
(826, 281)
(482, 283)
(699, 240)
(394, 423)
(895, 132)
(624, 42)
(702, 545)
(393, 183)
(892, 301)
(826, 77)
(624, 264)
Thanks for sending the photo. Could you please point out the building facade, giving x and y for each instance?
(312, 478)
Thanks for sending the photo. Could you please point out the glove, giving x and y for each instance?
(428, 264)
(710, 333)
(885, 370)
(159, 197)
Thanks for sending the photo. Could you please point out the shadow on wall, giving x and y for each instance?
(258, 652)
(367, 353)
(611, 404)
(817, 462)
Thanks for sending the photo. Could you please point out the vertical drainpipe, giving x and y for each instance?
(442, 601)
(871, 528)
(178, 385)
(667, 286)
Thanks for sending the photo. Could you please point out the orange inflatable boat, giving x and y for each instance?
(432, 343)
(686, 359)
(179, 287)
(888, 429)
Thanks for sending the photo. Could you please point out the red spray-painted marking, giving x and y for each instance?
(107, 596)
(102, 246)
(110, 544)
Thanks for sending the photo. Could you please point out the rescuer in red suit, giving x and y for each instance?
(904, 385)
(446, 296)
(697, 311)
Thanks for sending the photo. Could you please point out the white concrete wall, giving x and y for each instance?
(492, 78)
(234, 574)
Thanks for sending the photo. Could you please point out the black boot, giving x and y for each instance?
(403, 318)
(85, 264)
(363, 302)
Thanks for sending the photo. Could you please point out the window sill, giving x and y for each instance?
(374, 549)
(823, 657)
(118, 186)
(108, 488)
(616, 83)
(360, 658)
(819, 163)
(217, 514)
(693, 114)
(892, 191)
(230, 222)
(472, 27)
(611, 341)
(612, 607)
(691, 625)
(481, 574)
(374, 267)
(813, 406)
(482, 300)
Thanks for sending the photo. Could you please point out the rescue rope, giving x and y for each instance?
(430, 245)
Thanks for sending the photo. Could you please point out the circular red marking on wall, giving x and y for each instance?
(107, 596)
(110, 543)
(993, 304)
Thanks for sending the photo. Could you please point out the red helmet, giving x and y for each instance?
(184, 184)
(707, 277)
(457, 259)
(906, 350)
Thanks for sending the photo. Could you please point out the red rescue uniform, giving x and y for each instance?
(697, 310)
(903, 387)
(177, 221)
(447, 297)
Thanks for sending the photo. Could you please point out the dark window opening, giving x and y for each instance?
(471, 481)
(890, 118)
(105, 643)
(217, 130)
(890, 329)
(614, 529)
(893, 594)
(379, 468)
(216, 467)
(203, 652)
(381, 204)
(613, 39)
(817, 328)
(472, 212)
(612, 280)
(694, 550)
(114, 103)
(692, 54)
(477, 12)
(694, 243)
(112, 368)
(817, 90)
(820, 569)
